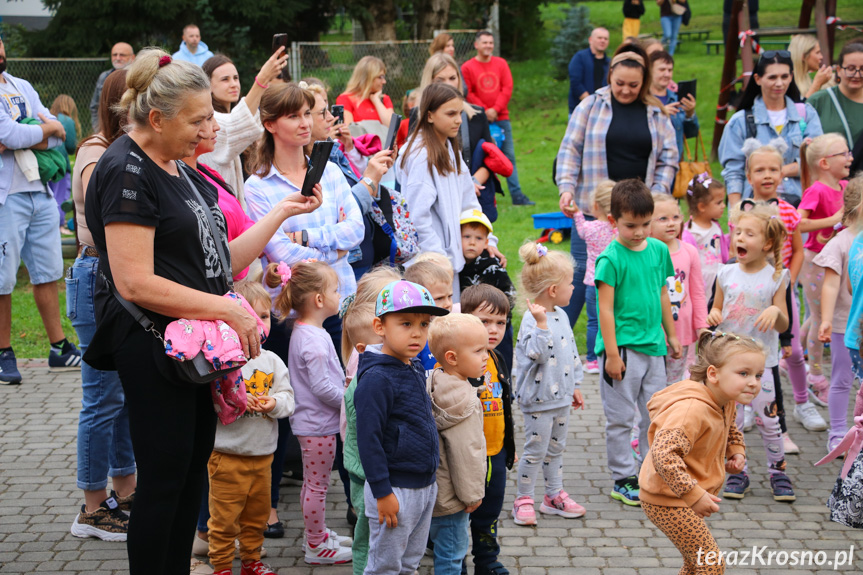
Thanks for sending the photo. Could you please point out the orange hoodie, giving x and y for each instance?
(690, 439)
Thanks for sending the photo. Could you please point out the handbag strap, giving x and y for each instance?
(136, 312)
(688, 153)
(703, 151)
(832, 93)
(214, 230)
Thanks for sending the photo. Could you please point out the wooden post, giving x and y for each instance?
(831, 33)
(806, 13)
(821, 26)
(739, 21)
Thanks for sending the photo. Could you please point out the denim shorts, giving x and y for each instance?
(29, 232)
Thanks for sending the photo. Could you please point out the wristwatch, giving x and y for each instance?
(305, 238)
(368, 181)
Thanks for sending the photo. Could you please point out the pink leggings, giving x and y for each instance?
(812, 278)
(318, 456)
(796, 364)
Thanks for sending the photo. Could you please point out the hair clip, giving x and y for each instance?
(164, 61)
(773, 217)
(541, 250)
(343, 309)
(309, 260)
(284, 272)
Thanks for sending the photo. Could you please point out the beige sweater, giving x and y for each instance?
(458, 414)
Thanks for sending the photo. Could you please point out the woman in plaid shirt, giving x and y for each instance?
(619, 132)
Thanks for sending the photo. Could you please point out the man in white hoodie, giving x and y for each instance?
(191, 48)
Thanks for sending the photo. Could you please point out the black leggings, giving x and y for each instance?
(173, 427)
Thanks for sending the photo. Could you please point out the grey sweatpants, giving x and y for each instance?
(544, 443)
(623, 401)
(398, 550)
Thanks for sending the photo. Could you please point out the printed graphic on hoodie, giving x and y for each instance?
(258, 385)
(490, 395)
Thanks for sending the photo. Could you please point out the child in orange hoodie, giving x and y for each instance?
(693, 441)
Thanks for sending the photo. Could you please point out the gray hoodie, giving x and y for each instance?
(458, 415)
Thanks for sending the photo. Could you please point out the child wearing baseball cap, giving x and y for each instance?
(396, 432)
(480, 267)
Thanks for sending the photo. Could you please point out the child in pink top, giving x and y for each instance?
(828, 163)
(237, 220)
(685, 289)
(597, 234)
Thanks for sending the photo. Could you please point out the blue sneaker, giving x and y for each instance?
(736, 486)
(9, 373)
(782, 490)
(626, 491)
(68, 359)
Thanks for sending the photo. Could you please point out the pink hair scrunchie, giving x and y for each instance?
(164, 61)
(284, 272)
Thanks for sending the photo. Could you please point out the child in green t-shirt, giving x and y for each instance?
(633, 309)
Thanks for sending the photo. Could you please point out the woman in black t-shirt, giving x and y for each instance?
(619, 132)
(157, 249)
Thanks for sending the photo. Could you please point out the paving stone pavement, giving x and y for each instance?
(39, 500)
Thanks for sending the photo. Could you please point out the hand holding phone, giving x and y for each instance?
(390, 142)
(317, 164)
(282, 40)
(339, 112)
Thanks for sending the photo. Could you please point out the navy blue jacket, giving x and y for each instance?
(396, 433)
(581, 76)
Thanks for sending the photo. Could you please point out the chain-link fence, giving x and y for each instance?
(333, 62)
(51, 77)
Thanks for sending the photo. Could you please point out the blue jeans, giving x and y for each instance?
(508, 150)
(579, 253)
(449, 534)
(592, 320)
(104, 444)
(670, 28)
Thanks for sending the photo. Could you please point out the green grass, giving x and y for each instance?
(539, 115)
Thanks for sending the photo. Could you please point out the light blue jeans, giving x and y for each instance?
(104, 444)
(508, 150)
(449, 533)
(670, 28)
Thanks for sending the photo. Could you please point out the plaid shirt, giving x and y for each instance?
(581, 160)
(336, 225)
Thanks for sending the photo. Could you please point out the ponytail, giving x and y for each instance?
(304, 279)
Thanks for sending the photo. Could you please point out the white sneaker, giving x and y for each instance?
(343, 540)
(748, 418)
(200, 547)
(788, 445)
(329, 552)
(808, 417)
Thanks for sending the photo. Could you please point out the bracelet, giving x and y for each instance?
(261, 85)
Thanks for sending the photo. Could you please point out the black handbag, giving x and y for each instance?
(197, 370)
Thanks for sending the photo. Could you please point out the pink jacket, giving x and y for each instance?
(185, 338)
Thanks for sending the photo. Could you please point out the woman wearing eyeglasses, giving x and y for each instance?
(841, 108)
(769, 109)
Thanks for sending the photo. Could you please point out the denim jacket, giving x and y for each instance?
(731, 146)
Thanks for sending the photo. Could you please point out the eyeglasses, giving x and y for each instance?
(770, 54)
(322, 113)
(852, 70)
(846, 153)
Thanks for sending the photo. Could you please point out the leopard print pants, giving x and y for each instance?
(690, 535)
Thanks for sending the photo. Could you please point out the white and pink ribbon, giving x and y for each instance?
(851, 445)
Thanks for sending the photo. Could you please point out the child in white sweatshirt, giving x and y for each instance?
(239, 467)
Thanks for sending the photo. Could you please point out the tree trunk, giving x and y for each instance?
(380, 24)
(432, 15)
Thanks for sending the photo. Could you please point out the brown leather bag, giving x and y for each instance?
(690, 168)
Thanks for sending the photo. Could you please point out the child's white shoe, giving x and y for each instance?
(329, 552)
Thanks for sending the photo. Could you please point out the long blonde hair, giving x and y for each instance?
(64, 104)
(363, 77)
(433, 67)
(813, 152)
(801, 46)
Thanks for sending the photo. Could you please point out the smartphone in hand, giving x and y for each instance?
(339, 112)
(282, 40)
(390, 142)
(317, 164)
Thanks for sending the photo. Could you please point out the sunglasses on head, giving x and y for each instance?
(771, 54)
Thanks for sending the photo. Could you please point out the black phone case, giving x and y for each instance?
(317, 164)
(686, 87)
(395, 122)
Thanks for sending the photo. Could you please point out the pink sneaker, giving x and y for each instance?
(523, 512)
(562, 505)
(591, 366)
(820, 389)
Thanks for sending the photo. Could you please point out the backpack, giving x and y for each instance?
(404, 240)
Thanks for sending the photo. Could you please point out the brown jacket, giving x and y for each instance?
(458, 414)
(690, 438)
